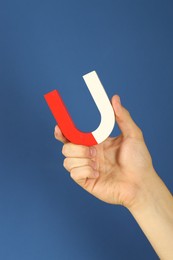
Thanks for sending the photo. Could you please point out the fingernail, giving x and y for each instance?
(118, 109)
(119, 99)
(96, 174)
(93, 151)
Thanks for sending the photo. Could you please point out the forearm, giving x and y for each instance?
(155, 217)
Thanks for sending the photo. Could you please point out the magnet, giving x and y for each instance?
(65, 122)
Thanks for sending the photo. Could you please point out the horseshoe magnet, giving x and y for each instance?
(65, 122)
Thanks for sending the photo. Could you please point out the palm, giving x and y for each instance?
(109, 168)
(119, 163)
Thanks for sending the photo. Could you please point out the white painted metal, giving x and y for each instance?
(104, 106)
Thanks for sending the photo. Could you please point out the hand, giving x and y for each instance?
(116, 170)
(120, 171)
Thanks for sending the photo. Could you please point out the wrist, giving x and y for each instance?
(153, 211)
(153, 196)
(148, 192)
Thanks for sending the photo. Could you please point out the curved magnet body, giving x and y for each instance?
(65, 122)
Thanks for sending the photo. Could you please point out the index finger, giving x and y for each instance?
(59, 135)
(78, 151)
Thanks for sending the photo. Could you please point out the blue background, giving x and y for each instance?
(46, 45)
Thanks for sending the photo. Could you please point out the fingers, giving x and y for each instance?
(124, 120)
(78, 159)
(80, 162)
(70, 163)
(82, 173)
(59, 136)
(79, 151)
(81, 168)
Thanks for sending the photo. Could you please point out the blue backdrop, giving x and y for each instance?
(46, 45)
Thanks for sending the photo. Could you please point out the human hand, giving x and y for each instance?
(120, 171)
(115, 171)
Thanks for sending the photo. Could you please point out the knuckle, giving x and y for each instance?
(140, 133)
(73, 173)
(55, 135)
(64, 149)
(66, 163)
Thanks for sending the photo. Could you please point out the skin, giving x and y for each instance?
(120, 171)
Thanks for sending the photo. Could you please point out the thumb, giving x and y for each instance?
(124, 120)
